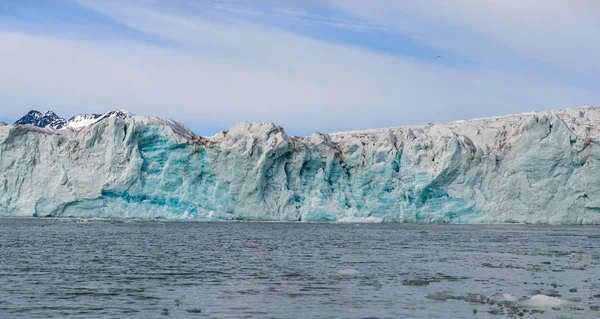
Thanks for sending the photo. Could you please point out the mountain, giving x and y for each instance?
(539, 167)
(47, 119)
(51, 120)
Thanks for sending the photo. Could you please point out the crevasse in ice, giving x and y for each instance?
(537, 167)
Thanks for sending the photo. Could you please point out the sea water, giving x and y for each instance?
(146, 269)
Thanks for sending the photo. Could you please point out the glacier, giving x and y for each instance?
(539, 167)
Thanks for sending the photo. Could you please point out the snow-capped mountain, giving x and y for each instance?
(51, 120)
(47, 119)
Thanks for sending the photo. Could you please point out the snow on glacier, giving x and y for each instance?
(537, 167)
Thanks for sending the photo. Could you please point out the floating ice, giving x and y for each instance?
(543, 301)
(360, 220)
(348, 272)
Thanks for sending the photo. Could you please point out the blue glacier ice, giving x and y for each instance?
(539, 167)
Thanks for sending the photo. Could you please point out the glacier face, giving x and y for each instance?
(538, 167)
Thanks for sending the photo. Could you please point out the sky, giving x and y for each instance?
(307, 65)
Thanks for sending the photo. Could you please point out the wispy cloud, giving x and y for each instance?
(551, 37)
(314, 19)
(342, 24)
(237, 9)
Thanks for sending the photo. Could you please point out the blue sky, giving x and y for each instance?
(326, 66)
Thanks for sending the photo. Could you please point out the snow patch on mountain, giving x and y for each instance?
(81, 120)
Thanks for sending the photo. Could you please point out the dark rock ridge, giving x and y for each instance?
(47, 119)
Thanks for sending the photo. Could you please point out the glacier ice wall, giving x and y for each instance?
(538, 167)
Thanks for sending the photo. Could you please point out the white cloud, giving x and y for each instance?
(560, 34)
(228, 71)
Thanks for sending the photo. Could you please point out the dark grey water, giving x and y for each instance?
(295, 270)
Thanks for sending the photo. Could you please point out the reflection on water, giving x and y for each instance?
(61, 268)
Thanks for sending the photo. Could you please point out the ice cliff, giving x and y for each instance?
(540, 167)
